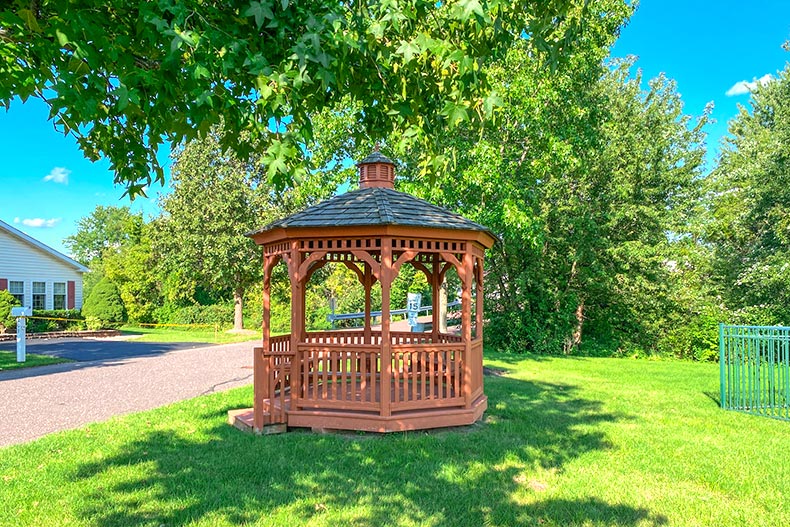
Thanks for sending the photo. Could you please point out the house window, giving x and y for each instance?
(59, 295)
(39, 295)
(18, 290)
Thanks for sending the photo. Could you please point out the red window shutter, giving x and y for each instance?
(70, 298)
(3, 284)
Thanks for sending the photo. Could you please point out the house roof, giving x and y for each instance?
(45, 248)
(376, 206)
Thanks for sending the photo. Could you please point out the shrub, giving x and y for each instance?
(73, 322)
(93, 323)
(217, 314)
(7, 301)
(105, 304)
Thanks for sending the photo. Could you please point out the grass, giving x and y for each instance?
(8, 361)
(178, 334)
(565, 442)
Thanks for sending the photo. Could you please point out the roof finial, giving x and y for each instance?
(376, 147)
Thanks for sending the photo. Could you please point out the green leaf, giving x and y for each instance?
(30, 20)
(201, 72)
(408, 50)
(471, 7)
(261, 11)
(63, 40)
(455, 112)
(123, 97)
(493, 100)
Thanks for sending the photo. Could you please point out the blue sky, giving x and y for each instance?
(709, 48)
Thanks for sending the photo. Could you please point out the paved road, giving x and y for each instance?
(38, 401)
(98, 349)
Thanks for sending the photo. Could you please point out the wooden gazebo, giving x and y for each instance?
(371, 379)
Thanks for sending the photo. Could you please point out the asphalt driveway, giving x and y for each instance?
(99, 349)
(123, 377)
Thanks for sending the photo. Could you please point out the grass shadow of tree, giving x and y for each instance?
(453, 477)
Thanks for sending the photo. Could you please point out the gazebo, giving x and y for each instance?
(371, 379)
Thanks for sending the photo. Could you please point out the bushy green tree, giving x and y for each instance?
(138, 273)
(749, 193)
(201, 233)
(105, 305)
(586, 177)
(115, 243)
(7, 301)
(218, 198)
(104, 232)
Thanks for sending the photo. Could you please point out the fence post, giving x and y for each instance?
(722, 367)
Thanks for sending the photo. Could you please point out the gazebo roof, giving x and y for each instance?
(376, 206)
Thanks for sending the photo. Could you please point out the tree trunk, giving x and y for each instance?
(238, 308)
(576, 337)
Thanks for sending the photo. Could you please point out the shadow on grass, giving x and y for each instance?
(481, 475)
(713, 396)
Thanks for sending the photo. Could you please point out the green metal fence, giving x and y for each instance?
(755, 369)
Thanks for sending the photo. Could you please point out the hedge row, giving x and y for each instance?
(74, 321)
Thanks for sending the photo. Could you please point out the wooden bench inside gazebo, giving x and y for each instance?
(371, 379)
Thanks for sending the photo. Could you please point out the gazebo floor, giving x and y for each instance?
(330, 419)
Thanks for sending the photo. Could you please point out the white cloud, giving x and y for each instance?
(39, 222)
(743, 87)
(58, 175)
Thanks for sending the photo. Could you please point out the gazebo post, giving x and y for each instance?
(466, 323)
(386, 341)
(436, 286)
(367, 283)
(297, 320)
(479, 299)
(261, 373)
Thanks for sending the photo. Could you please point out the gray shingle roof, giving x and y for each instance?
(376, 206)
(376, 157)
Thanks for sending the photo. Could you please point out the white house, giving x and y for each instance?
(38, 275)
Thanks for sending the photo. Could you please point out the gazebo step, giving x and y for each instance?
(243, 419)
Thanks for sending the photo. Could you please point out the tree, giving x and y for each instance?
(104, 304)
(750, 222)
(217, 198)
(581, 176)
(7, 301)
(125, 77)
(105, 231)
(212, 205)
(107, 235)
(137, 271)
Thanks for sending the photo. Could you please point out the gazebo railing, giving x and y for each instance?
(427, 376)
(338, 371)
(339, 377)
(277, 360)
(342, 337)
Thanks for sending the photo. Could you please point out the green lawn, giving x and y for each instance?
(177, 334)
(8, 360)
(593, 442)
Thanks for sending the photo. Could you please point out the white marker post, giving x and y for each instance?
(21, 314)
